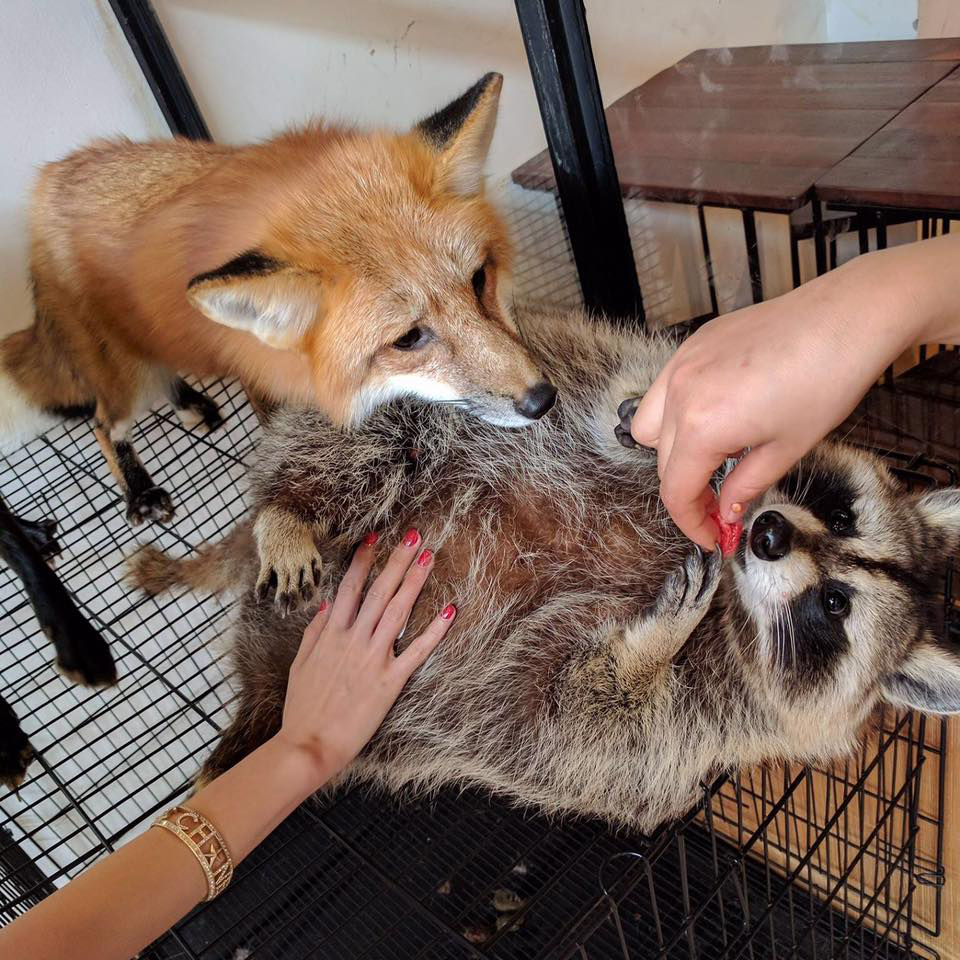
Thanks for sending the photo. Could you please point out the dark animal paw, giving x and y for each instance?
(42, 534)
(202, 412)
(16, 753)
(154, 503)
(625, 412)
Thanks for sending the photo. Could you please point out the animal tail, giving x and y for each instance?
(213, 568)
(38, 387)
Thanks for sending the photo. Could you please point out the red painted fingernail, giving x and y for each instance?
(371, 538)
(424, 558)
(411, 538)
(448, 612)
(323, 606)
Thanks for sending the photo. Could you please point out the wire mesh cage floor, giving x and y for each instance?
(775, 863)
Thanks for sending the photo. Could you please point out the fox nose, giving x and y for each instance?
(770, 536)
(536, 401)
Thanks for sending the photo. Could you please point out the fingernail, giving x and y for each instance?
(371, 538)
(736, 508)
(323, 606)
(447, 613)
(411, 538)
(424, 559)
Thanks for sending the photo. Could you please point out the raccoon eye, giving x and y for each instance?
(835, 603)
(413, 338)
(840, 520)
(479, 281)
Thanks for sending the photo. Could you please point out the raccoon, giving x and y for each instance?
(598, 665)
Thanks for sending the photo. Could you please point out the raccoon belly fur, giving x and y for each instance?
(550, 540)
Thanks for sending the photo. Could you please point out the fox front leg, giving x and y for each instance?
(289, 559)
(680, 606)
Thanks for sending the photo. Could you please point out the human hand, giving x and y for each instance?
(775, 377)
(346, 676)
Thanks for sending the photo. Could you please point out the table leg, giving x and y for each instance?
(795, 260)
(708, 262)
(863, 232)
(753, 255)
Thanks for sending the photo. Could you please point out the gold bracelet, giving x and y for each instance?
(203, 840)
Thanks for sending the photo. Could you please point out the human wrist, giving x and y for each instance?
(309, 767)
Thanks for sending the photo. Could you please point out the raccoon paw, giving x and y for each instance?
(154, 503)
(687, 592)
(625, 412)
(42, 534)
(289, 560)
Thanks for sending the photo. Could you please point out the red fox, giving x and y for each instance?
(325, 267)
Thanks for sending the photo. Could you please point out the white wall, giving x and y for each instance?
(67, 75)
(255, 67)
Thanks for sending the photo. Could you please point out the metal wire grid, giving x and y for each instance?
(366, 877)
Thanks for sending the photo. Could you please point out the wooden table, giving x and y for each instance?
(912, 164)
(754, 128)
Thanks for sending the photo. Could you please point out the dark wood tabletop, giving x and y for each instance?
(912, 163)
(756, 127)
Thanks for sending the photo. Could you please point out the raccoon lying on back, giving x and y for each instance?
(597, 665)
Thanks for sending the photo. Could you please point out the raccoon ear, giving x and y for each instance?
(941, 509)
(259, 295)
(928, 680)
(461, 132)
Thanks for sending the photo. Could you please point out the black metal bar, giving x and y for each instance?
(707, 260)
(795, 260)
(160, 68)
(565, 79)
(819, 240)
(863, 232)
(753, 255)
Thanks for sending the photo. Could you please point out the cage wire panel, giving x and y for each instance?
(776, 863)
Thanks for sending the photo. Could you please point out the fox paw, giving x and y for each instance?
(16, 753)
(154, 503)
(42, 534)
(201, 412)
(289, 560)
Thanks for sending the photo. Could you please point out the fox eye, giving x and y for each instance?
(835, 602)
(840, 520)
(413, 338)
(479, 281)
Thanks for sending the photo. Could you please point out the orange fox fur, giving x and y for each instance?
(325, 267)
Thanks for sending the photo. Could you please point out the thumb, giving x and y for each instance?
(762, 467)
(647, 422)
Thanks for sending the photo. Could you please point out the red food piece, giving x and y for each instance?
(730, 533)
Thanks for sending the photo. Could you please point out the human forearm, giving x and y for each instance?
(776, 377)
(133, 896)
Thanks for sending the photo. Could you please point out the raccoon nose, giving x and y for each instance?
(770, 536)
(536, 401)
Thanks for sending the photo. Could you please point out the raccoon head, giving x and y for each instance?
(840, 574)
(384, 265)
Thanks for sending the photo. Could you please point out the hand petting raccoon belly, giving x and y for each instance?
(598, 664)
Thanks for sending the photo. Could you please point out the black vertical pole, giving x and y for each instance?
(160, 68)
(565, 77)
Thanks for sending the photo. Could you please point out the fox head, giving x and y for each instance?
(387, 268)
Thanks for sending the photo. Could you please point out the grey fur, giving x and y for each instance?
(596, 665)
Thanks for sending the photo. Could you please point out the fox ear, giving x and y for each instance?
(461, 132)
(259, 295)
(928, 680)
